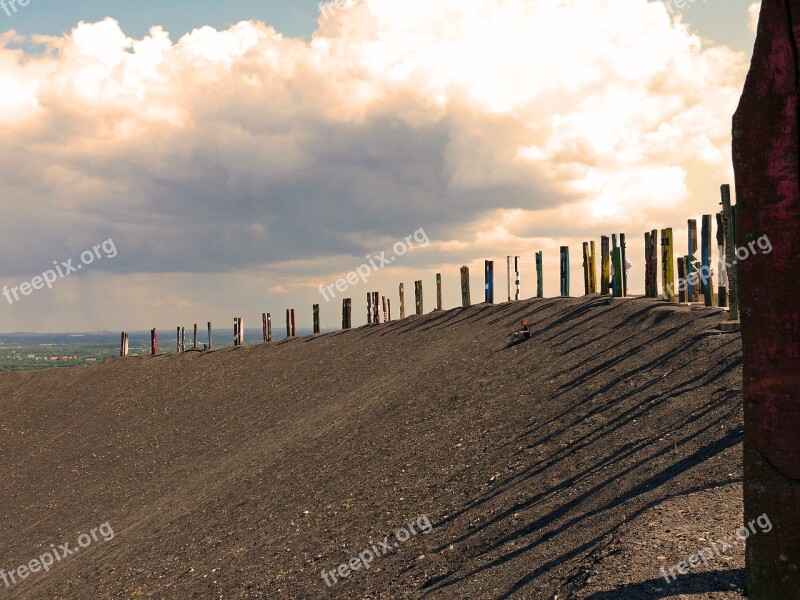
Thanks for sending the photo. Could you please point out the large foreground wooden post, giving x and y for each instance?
(489, 281)
(605, 265)
(465, 300)
(766, 146)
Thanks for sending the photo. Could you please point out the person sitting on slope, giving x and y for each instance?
(521, 335)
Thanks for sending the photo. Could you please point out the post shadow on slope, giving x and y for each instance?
(691, 583)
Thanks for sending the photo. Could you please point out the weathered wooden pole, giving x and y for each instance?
(722, 290)
(565, 271)
(388, 310)
(178, 348)
(648, 266)
(624, 278)
(294, 325)
(376, 307)
(241, 332)
(516, 278)
(347, 313)
(288, 323)
(438, 291)
(707, 281)
(418, 296)
(385, 316)
(194, 345)
(667, 261)
(681, 279)
(691, 278)
(618, 268)
(210, 341)
(269, 327)
(153, 342)
(235, 331)
(592, 267)
(317, 329)
(123, 344)
(766, 146)
(402, 302)
(465, 299)
(264, 327)
(369, 306)
(489, 281)
(508, 271)
(730, 252)
(540, 274)
(587, 286)
(605, 265)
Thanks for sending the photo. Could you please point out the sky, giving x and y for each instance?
(206, 160)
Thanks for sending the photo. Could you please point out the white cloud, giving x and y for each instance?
(753, 11)
(394, 116)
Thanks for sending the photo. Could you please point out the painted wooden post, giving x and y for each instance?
(489, 281)
(707, 281)
(692, 294)
(565, 271)
(681, 279)
(516, 278)
(730, 252)
(123, 344)
(648, 267)
(667, 260)
(269, 327)
(766, 148)
(376, 310)
(654, 261)
(235, 331)
(592, 267)
(317, 329)
(294, 325)
(183, 339)
(402, 302)
(438, 291)
(385, 316)
(153, 342)
(418, 296)
(618, 269)
(587, 286)
(388, 310)
(369, 307)
(540, 274)
(722, 290)
(508, 275)
(605, 265)
(347, 313)
(465, 299)
(195, 337)
(624, 278)
(613, 252)
(263, 327)
(210, 341)
(288, 323)
(241, 332)
(178, 343)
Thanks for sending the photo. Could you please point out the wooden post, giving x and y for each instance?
(418, 296)
(402, 303)
(667, 259)
(347, 313)
(508, 273)
(235, 331)
(540, 274)
(438, 291)
(241, 332)
(369, 307)
(613, 253)
(288, 323)
(294, 325)
(707, 281)
(317, 329)
(516, 278)
(730, 252)
(465, 299)
(489, 281)
(618, 269)
(624, 278)
(385, 316)
(178, 344)
(592, 267)
(123, 344)
(153, 342)
(765, 131)
(210, 341)
(376, 310)
(648, 267)
(565, 271)
(722, 290)
(388, 310)
(681, 279)
(587, 286)
(654, 261)
(263, 327)
(692, 294)
(195, 337)
(605, 265)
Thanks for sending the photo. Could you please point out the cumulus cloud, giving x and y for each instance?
(244, 149)
(753, 11)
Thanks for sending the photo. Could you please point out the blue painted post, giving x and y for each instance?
(489, 278)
